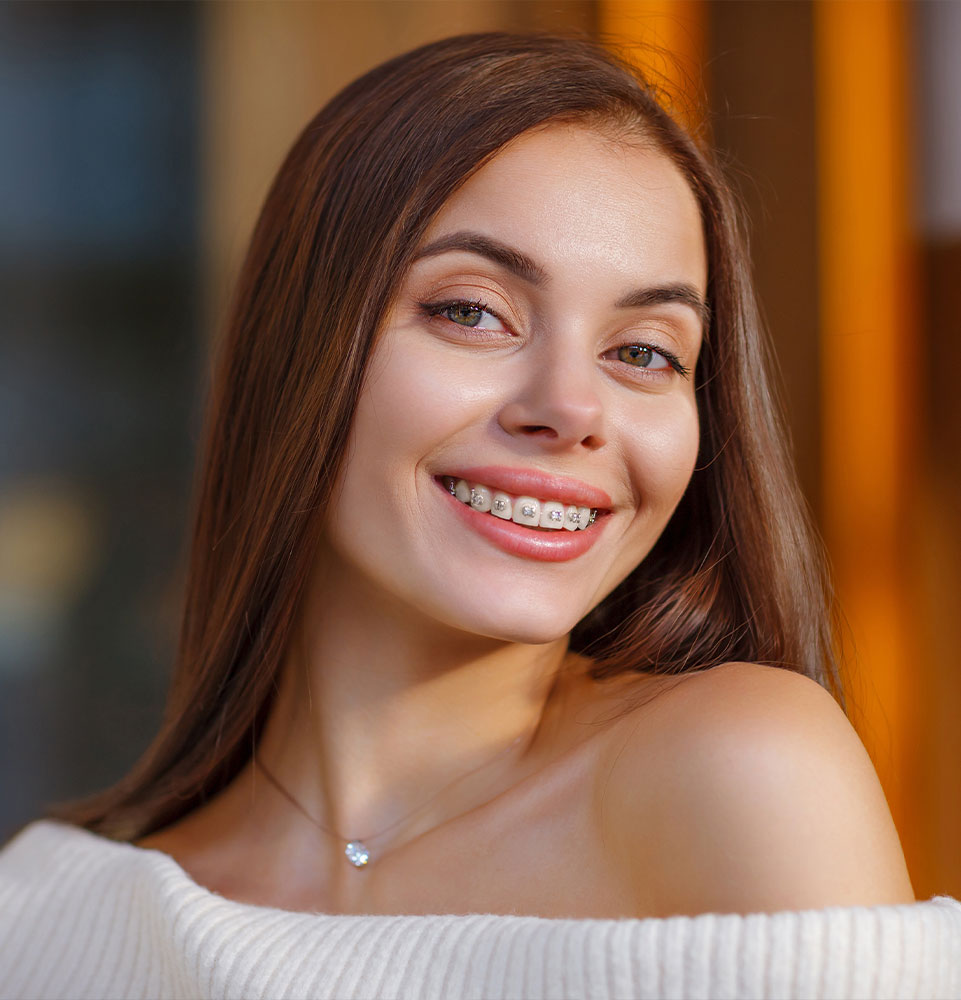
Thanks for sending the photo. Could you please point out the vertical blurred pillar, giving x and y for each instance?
(869, 373)
(667, 37)
(761, 84)
(938, 42)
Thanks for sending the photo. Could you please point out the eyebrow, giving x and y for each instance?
(500, 253)
(530, 271)
(684, 294)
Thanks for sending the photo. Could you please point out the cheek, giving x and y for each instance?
(402, 413)
(418, 395)
(402, 407)
(415, 403)
(662, 454)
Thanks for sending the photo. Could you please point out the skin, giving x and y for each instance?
(429, 661)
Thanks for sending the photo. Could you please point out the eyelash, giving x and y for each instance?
(433, 309)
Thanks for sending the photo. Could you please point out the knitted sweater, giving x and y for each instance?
(82, 916)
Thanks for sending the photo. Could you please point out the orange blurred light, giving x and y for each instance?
(869, 349)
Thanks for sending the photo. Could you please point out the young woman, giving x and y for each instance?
(502, 605)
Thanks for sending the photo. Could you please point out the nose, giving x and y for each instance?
(560, 405)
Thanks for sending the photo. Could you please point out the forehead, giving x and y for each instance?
(584, 203)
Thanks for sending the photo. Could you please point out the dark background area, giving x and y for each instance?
(99, 351)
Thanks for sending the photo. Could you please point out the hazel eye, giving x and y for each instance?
(642, 356)
(467, 313)
(464, 313)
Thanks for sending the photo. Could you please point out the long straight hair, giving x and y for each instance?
(736, 575)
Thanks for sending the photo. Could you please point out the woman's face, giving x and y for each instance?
(541, 349)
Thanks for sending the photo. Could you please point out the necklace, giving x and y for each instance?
(356, 850)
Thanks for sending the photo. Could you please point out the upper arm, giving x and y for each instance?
(762, 797)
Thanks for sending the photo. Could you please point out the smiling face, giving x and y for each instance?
(542, 346)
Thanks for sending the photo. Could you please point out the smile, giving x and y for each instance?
(516, 525)
(533, 512)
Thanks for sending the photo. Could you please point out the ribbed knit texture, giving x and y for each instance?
(82, 916)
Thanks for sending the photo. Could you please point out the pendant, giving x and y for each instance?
(357, 854)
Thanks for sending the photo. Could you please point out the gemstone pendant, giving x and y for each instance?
(357, 854)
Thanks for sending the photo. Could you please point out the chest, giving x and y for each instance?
(543, 852)
(546, 846)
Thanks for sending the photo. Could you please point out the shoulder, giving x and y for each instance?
(34, 848)
(51, 859)
(50, 864)
(85, 916)
(40, 869)
(748, 790)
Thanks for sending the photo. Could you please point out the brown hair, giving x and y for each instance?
(737, 573)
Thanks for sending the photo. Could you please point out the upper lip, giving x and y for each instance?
(532, 482)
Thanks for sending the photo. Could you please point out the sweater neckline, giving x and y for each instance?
(178, 881)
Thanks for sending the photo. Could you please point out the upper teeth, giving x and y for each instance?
(521, 510)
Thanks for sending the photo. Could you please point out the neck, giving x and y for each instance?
(378, 711)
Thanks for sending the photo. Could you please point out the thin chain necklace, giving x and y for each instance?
(356, 850)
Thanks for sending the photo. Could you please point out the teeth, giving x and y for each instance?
(527, 511)
(480, 498)
(530, 511)
(501, 506)
(552, 515)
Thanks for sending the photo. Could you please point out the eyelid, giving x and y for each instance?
(674, 364)
(436, 308)
(465, 287)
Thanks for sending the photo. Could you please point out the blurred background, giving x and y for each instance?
(138, 141)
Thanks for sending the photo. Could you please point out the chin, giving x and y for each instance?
(533, 627)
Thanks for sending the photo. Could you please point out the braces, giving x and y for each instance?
(500, 504)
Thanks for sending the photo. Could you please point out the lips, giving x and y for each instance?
(532, 482)
(518, 539)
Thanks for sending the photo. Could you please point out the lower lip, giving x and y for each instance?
(558, 545)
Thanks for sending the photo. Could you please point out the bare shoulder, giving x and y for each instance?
(747, 790)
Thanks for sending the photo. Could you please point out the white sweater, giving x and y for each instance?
(82, 916)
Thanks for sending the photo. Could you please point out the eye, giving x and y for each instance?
(642, 356)
(475, 315)
(649, 358)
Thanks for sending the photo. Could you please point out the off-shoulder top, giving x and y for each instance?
(83, 916)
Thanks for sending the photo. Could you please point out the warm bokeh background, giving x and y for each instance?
(138, 142)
